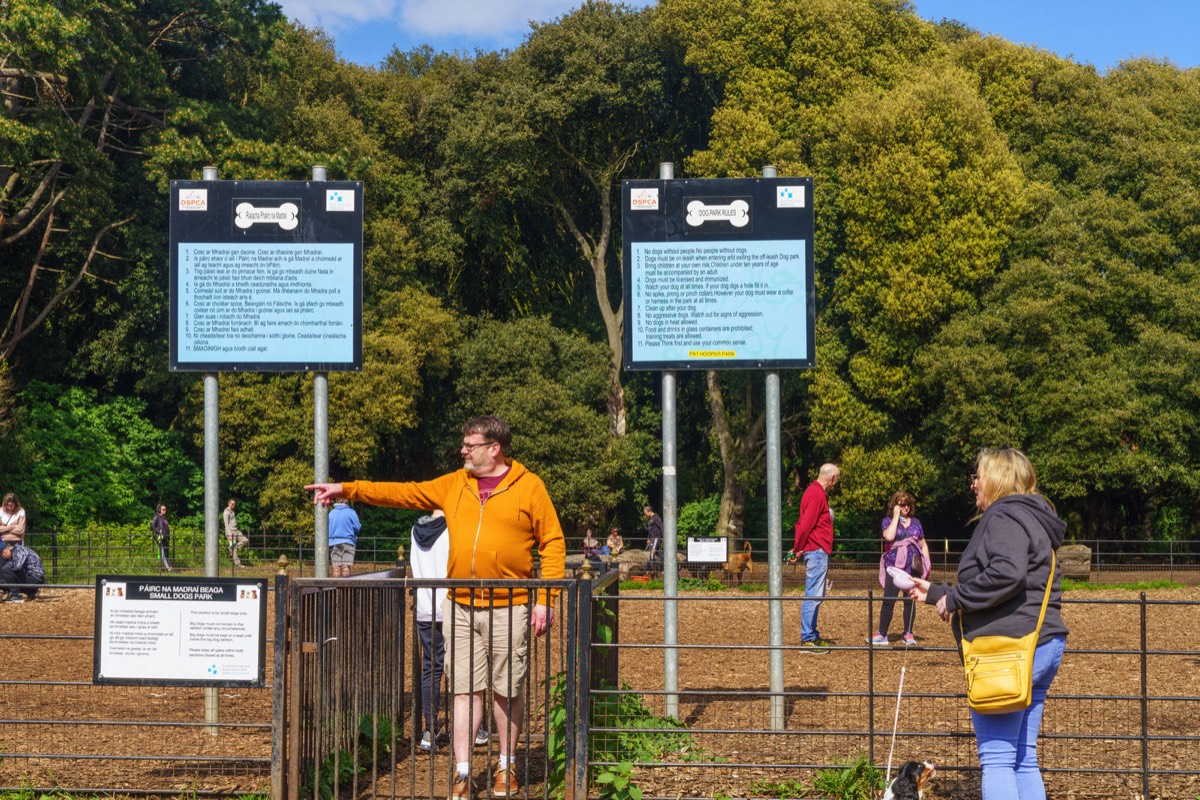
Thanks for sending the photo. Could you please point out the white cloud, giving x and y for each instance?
(335, 16)
(421, 19)
(489, 19)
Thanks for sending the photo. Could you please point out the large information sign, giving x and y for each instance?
(718, 273)
(266, 275)
(180, 631)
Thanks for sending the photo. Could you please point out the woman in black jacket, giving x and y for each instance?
(1002, 580)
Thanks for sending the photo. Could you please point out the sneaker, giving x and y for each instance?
(426, 742)
(506, 782)
(816, 647)
(878, 640)
(909, 639)
(462, 788)
(17, 599)
(482, 736)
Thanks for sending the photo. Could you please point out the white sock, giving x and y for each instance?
(464, 768)
(506, 761)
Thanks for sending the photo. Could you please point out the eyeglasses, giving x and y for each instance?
(471, 447)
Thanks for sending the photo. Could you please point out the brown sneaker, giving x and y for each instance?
(506, 782)
(462, 789)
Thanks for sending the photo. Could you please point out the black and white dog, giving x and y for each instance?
(910, 781)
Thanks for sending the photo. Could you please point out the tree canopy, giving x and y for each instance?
(1006, 254)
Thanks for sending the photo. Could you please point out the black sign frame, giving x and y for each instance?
(729, 214)
(287, 223)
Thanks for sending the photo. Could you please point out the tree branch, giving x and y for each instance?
(15, 330)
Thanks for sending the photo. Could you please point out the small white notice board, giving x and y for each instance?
(707, 549)
(180, 631)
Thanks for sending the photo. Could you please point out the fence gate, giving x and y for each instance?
(348, 706)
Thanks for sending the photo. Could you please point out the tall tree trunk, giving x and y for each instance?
(595, 251)
(737, 453)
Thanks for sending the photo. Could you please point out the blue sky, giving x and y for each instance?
(1099, 32)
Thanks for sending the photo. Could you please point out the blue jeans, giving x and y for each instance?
(816, 566)
(1008, 742)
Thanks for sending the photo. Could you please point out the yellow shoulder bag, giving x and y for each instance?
(999, 669)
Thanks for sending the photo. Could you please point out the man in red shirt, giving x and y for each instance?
(814, 542)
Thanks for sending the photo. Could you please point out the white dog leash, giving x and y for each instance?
(903, 670)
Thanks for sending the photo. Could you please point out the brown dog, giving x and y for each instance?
(739, 563)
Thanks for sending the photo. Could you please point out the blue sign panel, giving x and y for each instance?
(718, 273)
(266, 275)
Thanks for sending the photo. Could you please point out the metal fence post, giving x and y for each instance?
(1145, 704)
(278, 683)
(584, 698)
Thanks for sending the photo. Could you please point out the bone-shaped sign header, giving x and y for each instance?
(286, 216)
(737, 213)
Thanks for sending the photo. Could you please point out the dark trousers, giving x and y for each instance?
(890, 593)
(9, 576)
(433, 656)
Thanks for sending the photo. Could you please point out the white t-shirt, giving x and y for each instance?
(431, 562)
(17, 517)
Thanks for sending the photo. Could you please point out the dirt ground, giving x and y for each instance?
(836, 705)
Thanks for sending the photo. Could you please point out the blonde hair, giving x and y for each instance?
(1004, 471)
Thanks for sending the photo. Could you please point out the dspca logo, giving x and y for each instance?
(193, 199)
(645, 199)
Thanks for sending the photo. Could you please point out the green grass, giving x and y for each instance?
(1070, 584)
(854, 779)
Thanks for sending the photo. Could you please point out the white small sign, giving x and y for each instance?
(643, 199)
(737, 213)
(707, 549)
(339, 200)
(182, 631)
(193, 199)
(285, 215)
(789, 196)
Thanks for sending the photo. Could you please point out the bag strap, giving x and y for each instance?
(1049, 585)
(1041, 614)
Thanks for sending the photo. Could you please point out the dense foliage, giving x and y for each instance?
(1007, 248)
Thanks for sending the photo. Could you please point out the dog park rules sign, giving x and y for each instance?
(718, 273)
(266, 276)
(180, 631)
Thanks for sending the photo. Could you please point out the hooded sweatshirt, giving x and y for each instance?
(488, 539)
(1003, 571)
(430, 550)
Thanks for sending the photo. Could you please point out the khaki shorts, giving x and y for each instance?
(473, 633)
(342, 555)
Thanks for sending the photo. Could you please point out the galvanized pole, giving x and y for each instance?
(670, 514)
(774, 539)
(212, 497)
(320, 452)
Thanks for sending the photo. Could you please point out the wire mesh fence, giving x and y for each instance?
(1119, 721)
(77, 556)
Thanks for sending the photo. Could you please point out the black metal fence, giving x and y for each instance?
(344, 716)
(1118, 722)
(77, 556)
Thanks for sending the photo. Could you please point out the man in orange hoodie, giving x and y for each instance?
(496, 512)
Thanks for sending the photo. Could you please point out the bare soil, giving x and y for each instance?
(837, 704)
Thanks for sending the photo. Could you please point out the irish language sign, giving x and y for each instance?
(718, 273)
(266, 275)
(180, 631)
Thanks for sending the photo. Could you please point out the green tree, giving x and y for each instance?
(76, 460)
(545, 137)
(266, 440)
(84, 84)
(550, 385)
